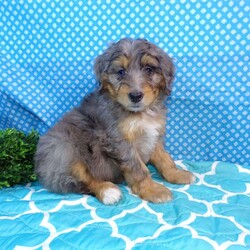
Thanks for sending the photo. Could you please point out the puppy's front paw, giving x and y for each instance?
(189, 178)
(155, 193)
(178, 176)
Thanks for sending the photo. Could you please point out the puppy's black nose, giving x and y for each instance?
(135, 96)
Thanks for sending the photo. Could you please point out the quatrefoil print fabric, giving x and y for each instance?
(48, 48)
(212, 214)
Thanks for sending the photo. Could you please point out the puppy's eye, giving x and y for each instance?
(121, 72)
(148, 70)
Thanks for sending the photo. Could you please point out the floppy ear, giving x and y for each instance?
(168, 70)
(100, 66)
(102, 61)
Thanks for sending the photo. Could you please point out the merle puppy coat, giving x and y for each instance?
(116, 130)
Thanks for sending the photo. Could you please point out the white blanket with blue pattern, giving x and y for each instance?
(213, 213)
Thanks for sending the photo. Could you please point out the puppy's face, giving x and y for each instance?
(135, 73)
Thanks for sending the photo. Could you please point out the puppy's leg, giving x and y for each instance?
(138, 178)
(166, 166)
(107, 192)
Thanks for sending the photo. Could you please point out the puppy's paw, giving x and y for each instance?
(179, 176)
(155, 193)
(109, 194)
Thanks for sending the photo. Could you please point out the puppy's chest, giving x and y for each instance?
(143, 132)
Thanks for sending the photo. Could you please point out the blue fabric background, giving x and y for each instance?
(48, 48)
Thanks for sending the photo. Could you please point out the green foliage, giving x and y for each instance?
(16, 157)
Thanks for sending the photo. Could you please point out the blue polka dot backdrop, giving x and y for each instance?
(48, 49)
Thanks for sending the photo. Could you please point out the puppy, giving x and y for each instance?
(116, 130)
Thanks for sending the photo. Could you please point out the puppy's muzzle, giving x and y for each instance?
(135, 97)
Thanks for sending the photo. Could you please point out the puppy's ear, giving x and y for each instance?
(168, 70)
(100, 66)
(103, 61)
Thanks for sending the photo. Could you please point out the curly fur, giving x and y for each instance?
(116, 130)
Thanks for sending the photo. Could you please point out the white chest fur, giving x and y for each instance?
(145, 126)
(143, 131)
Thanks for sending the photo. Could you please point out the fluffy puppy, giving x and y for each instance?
(116, 130)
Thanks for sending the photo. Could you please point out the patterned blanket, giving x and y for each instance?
(211, 214)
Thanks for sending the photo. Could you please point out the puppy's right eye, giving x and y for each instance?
(121, 72)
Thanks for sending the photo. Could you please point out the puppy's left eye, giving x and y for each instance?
(148, 70)
(121, 72)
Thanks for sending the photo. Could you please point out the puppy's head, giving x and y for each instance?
(135, 73)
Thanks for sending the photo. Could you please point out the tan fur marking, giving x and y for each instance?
(79, 171)
(150, 94)
(151, 191)
(124, 90)
(97, 187)
(145, 187)
(110, 89)
(122, 61)
(149, 60)
(108, 86)
(133, 177)
(134, 125)
(129, 131)
(166, 166)
(122, 95)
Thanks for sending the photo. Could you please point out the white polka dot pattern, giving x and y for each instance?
(48, 48)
